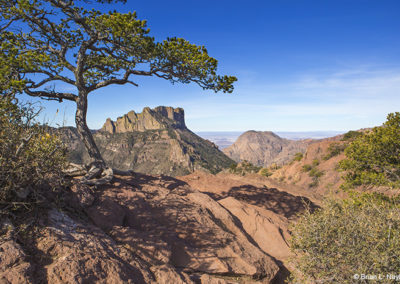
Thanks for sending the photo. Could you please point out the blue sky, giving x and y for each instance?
(301, 65)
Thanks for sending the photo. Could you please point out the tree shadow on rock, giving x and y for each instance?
(279, 202)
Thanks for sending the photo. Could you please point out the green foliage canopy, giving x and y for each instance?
(44, 42)
(349, 136)
(89, 49)
(373, 159)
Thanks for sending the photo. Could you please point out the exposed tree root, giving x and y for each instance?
(94, 175)
(98, 176)
(123, 173)
(75, 170)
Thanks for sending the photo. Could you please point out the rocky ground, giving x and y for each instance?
(157, 229)
(319, 159)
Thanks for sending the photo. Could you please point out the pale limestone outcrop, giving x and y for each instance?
(155, 141)
(149, 119)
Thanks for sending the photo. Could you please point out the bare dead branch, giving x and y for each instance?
(23, 144)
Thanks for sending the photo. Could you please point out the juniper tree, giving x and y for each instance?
(49, 41)
(373, 157)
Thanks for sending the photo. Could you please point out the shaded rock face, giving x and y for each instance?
(151, 229)
(149, 119)
(268, 229)
(264, 211)
(167, 222)
(263, 148)
(155, 141)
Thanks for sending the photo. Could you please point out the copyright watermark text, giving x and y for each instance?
(377, 277)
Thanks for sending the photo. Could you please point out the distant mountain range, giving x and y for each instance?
(157, 141)
(225, 139)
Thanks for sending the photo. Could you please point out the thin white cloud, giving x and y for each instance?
(351, 98)
(353, 82)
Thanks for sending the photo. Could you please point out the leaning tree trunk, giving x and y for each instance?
(85, 133)
(98, 173)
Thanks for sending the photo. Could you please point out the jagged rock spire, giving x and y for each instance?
(161, 117)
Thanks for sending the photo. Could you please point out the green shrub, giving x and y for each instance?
(314, 183)
(351, 135)
(359, 235)
(298, 156)
(265, 172)
(274, 167)
(373, 158)
(306, 168)
(244, 167)
(316, 175)
(30, 156)
(315, 162)
(334, 149)
(314, 172)
(232, 167)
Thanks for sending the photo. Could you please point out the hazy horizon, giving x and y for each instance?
(224, 139)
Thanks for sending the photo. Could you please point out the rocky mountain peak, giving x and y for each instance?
(161, 117)
(155, 141)
(264, 148)
(257, 135)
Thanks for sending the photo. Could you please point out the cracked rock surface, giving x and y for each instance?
(150, 229)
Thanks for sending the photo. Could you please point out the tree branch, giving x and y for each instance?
(3, 28)
(56, 96)
(61, 55)
(49, 31)
(49, 79)
(23, 144)
(118, 81)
